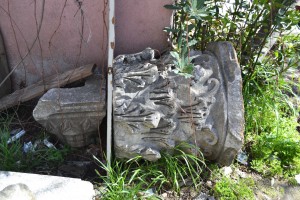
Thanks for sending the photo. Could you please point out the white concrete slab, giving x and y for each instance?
(50, 187)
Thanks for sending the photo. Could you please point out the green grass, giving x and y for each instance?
(271, 120)
(128, 179)
(229, 189)
(12, 157)
(10, 154)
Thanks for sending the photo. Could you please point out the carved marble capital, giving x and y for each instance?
(156, 109)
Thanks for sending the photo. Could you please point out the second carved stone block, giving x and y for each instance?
(73, 114)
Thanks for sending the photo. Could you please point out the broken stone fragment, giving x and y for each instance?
(156, 109)
(73, 114)
(17, 191)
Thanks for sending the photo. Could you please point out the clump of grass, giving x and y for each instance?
(230, 189)
(12, 157)
(121, 180)
(10, 154)
(275, 144)
(128, 179)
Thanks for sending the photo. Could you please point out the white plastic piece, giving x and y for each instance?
(15, 137)
(242, 158)
(149, 193)
(49, 144)
(28, 147)
(15, 131)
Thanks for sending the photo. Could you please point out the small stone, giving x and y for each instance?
(204, 196)
(262, 196)
(193, 192)
(297, 177)
(164, 195)
(209, 184)
(227, 171)
(241, 173)
(272, 182)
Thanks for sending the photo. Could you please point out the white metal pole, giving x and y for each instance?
(111, 46)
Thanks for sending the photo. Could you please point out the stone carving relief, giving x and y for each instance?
(73, 114)
(156, 109)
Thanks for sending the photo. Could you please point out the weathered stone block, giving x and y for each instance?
(44, 187)
(73, 114)
(155, 109)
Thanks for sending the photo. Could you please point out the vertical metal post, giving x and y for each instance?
(111, 46)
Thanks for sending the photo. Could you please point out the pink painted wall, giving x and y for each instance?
(73, 33)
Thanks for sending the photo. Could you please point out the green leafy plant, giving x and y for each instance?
(188, 10)
(182, 61)
(247, 24)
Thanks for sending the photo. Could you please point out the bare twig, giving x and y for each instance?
(28, 52)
